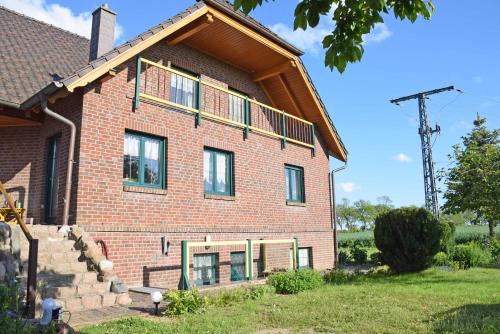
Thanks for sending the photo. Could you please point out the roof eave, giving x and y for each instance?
(254, 26)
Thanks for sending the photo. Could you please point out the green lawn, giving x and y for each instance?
(430, 302)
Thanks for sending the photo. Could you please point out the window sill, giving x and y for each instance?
(145, 190)
(289, 203)
(220, 197)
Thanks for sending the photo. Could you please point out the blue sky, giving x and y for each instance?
(460, 46)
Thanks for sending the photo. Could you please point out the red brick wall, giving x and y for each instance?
(133, 222)
(23, 164)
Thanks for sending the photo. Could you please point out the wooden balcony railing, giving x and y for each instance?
(168, 86)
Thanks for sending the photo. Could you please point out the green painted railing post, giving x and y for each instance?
(313, 140)
(199, 95)
(184, 282)
(137, 97)
(249, 259)
(283, 121)
(247, 118)
(297, 252)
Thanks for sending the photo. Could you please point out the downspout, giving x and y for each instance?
(333, 208)
(71, 153)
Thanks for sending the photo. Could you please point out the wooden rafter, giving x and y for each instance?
(289, 94)
(274, 71)
(190, 30)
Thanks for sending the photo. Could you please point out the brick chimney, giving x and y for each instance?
(103, 31)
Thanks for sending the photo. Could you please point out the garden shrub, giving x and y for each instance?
(408, 238)
(338, 276)
(376, 258)
(232, 296)
(292, 282)
(441, 259)
(448, 237)
(471, 255)
(359, 255)
(344, 257)
(10, 307)
(495, 251)
(185, 301)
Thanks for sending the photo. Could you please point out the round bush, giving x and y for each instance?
(359, 255)
(441, 259)
(408, 238)
(343, 257)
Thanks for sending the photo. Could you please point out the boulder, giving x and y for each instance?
(105, 266)
(123, 299)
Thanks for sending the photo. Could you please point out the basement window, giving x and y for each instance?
(237, 266)
(305, 258)
(143, 160)
(206, 269)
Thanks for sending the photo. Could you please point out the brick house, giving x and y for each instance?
(204, 128)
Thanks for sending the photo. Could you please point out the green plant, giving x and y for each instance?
(184, 301)
(338, 276)
(231, 296)
(408, 238)
(441, 259)
(376, 258)
(344, 257)
(359, 255)
(292, 282)
(10, 307)
(471, 255)
(495, 251)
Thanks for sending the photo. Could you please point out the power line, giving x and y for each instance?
(425, 132)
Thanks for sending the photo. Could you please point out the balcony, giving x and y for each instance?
(174, 88)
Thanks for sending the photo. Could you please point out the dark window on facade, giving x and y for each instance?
(237, 266)
(183, 89)
(143, 160)
(217, 172)
(206, 269)
(294, 177)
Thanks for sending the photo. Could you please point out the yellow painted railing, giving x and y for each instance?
(168, 86)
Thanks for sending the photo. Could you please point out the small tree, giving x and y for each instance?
(408, 238)
(346, 215)
(365, 213)
(473, 182)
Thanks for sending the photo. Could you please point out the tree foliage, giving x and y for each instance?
(408, 238)
(353, 19)
(473, 181)
(362, 212)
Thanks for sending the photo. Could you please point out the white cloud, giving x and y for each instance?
(478, 79)
(379, 33)
(401, 157)
(309, 40)
(57, 15)
(348, 187)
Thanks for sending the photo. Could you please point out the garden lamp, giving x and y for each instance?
(156, 298)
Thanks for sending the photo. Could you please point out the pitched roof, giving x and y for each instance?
(33, 54)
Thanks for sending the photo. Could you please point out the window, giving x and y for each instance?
(305, 258)
(182, 89)
(143, 160)
(237, 107)
(237, 266)
(294, 183)
(206, 269)
(217, 172)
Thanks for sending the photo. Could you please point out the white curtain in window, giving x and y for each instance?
(131, 146)
(151, 149)
(236, 109)
(221, 172)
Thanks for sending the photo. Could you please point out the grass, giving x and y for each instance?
(433, 301)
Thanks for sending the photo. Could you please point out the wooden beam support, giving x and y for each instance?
(274, 71)
(289, 94)
(110, 75)
(190, 30)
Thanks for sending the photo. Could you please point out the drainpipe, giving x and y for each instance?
(334, 211)
(71, 153)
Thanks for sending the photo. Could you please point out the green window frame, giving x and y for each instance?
(206, 269)
(211, 159)
(237, 266)
(294, 184)
(140, 148)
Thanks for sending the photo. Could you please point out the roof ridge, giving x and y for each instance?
(42, 22)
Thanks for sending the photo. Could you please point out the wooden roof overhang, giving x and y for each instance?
(14, 118)
(275, 67)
